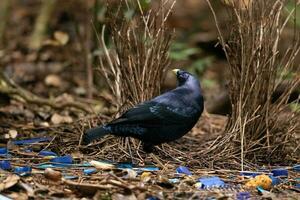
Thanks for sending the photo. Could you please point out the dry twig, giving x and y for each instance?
(256, 128)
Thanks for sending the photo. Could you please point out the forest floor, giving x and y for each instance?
(40, 152)
(47, 162)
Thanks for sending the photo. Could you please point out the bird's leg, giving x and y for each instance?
(129, 148)
(138, 153)
(148, 147)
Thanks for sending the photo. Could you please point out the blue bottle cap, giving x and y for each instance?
(211, 182)
(5, 165)
(22, 171)
(3, 150)
(183, 170)
(89, 171)
(243, 195)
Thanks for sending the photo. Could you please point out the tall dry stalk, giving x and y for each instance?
(135, 66)
(259, 129)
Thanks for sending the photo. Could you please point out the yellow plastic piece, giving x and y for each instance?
(263, 181)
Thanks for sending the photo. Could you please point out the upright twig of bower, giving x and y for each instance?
(256, 127)
(135, 66)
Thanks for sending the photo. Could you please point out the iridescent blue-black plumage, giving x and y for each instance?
(163, 119)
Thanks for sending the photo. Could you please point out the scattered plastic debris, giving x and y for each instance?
(62, 165)
(102, 165)
(152, 198)
(243, 195)
(263, 181)
(275, 180)
(174, 180)
(146, 169)
(89, 171)
(296, 168)
(130, 174)
(23, 171)
(28, 150)
(210, 182)
(31, 141)
(249, 173)
(5, 165)
(63, 159)
(124, 166)
(3, 151)
(47, 153)
(70, 177)
(266, 194)
(280, 172)
(183, 170)
(146, 176)
(2, 197)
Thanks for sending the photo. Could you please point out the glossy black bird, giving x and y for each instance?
(163, 119)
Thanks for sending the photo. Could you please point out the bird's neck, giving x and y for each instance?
(193, 85)
(195, 92)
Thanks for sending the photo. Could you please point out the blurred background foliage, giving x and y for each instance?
(50, 47)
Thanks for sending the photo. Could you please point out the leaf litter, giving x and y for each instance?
(56, 166)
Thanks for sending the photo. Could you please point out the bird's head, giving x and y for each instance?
(184, 77)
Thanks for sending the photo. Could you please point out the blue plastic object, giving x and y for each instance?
(22, 171)
(145, 169)
(47, 153)
(89, 171)
(3, 151)
(70, 177)
(275, 180)
(297, 185)
(261, 190)
(280, 172)
(211, 182)
(2, 197)
(243, 195)
(31, 141)
(29, 150)
(62, 165)
(174, 180)
(250, 174)
(183, 170)
(5, 165)
(63, 159)
(296, 168)
(124, 165)
(153, 198)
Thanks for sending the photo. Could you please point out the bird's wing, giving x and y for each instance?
(154, 113)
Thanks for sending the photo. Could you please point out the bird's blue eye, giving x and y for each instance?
(183, 76)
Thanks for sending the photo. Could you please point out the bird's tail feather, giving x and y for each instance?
(94, 134)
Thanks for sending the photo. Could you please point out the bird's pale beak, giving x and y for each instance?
(175, 71)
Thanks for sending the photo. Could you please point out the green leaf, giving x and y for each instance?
(295, 107)
(201, 64)
(180, 51)
(129, 14)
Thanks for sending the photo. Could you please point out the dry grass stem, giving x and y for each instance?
(135, 66)
(259, 129)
